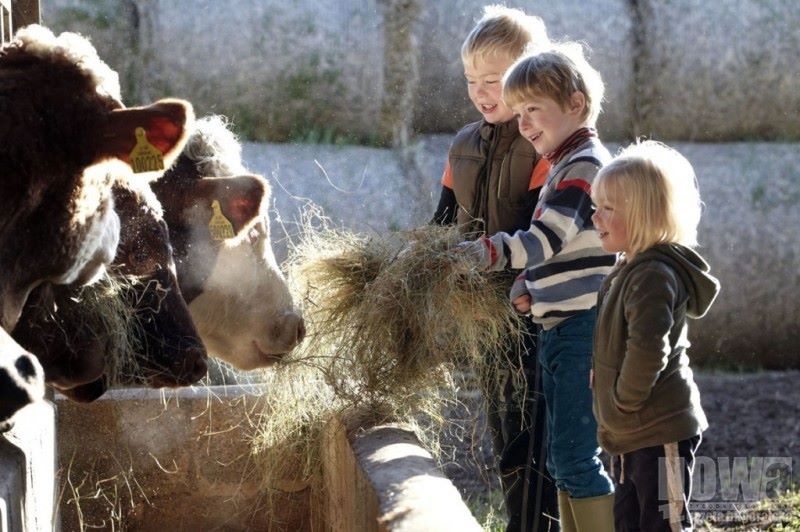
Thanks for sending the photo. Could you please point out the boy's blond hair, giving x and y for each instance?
(556, 73)
(656, 189)
(503, 30)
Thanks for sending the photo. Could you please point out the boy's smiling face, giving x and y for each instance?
(546, 124)
(485, 86)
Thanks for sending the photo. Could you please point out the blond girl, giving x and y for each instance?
(646, 402)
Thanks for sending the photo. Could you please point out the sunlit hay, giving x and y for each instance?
(109, 313)
(124, 356)
(111, 499)
(288, 432)
(288, 435)
(389, 316)
(102, 310)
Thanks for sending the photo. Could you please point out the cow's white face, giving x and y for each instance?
(76, 239)
(245, 314)
(97, 250)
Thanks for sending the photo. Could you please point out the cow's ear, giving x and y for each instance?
(162, 125)
(241, 199)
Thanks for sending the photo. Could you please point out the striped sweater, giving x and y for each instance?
(564, 264)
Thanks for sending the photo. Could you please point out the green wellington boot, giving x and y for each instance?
(565, 518)
(594, 514)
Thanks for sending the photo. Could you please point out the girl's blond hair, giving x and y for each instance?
(503, 30)
(555, 73)
(655, 187)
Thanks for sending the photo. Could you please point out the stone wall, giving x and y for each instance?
(747, 233)
(684, 69)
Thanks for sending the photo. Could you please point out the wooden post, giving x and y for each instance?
(5, 21)
(24, 12)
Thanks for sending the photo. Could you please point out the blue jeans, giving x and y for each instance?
(565, 352)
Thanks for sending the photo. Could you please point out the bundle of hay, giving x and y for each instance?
(63, 321)
(390, 316)
(389, 319)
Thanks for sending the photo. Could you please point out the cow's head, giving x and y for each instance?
(237, 295)
(172, 352)
(21, 379)
(65, 137)
(68, 327)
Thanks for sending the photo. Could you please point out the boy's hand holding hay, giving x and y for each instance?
(480, 254)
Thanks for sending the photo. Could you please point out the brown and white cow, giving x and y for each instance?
(64, 137)
(237, 295)
(62, 126)
(67, 332)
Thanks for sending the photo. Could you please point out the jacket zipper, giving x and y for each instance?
(500, 177)
(487, 177)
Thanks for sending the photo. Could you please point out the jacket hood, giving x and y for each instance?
(702, 287)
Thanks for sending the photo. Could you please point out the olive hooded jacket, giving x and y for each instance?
(644, 391)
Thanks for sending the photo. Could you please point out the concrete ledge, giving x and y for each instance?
(385, 480)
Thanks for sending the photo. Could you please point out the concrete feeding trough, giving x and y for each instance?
(181, 459)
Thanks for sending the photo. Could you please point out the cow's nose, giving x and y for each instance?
(301, 330)
(194, 365)
(28, 368)
(293, 330)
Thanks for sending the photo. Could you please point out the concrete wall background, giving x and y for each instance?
(678, 70)
(747, 232)
(724, 70)
(604, 25)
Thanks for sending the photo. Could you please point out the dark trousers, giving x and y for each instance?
(653, 487)
(517, 421)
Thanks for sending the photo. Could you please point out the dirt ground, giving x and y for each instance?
(752, 416)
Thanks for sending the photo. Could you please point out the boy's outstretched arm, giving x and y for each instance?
(565, 212)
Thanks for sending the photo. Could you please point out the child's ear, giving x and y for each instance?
(577, 102)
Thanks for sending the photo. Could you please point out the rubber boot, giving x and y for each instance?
(565, 518)
(594, 514)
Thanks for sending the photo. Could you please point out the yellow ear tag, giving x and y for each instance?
(145, 157)
(219, 226)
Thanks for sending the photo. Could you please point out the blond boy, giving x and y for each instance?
(556, 97)
(491, 183)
